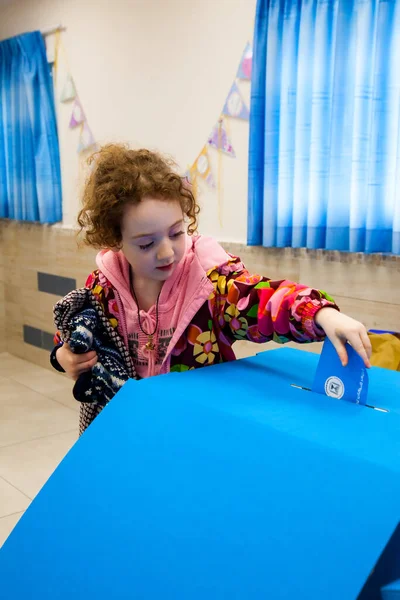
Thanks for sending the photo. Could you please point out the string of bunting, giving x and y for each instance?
(219, 138)
(69, 94)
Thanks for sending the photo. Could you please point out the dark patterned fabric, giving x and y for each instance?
(76, 301)
(87, 415)
(105, 379)
(81, 322)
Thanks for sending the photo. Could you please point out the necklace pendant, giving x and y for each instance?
(150, 345)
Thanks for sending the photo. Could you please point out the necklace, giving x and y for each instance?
(150, 344)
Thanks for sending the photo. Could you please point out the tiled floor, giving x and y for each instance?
(38, 425)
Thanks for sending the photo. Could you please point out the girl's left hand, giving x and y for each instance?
(340, 329)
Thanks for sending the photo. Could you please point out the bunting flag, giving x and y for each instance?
(191, 177)
(235, 105)
(68, 92)
(77, 116)
(202, 167)
(246, 63)
(219, 138)
(86, 139)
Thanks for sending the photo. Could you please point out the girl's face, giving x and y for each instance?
(153, 238)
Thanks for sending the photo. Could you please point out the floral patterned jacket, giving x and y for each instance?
(231, 305)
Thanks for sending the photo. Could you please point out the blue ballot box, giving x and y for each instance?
(223, 483)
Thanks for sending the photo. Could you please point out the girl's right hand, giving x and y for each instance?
(75, 364)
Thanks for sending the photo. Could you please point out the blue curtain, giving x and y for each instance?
(324, 158)
(30, 179)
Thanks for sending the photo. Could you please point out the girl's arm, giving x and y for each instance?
(254, 308)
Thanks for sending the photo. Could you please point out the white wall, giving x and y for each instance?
(154, 73)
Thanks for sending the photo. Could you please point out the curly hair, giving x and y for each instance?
(121, 177)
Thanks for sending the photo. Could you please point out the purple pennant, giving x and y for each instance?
(235, 105)
(219, 139)
(77, 116)
(246, 63)
(86, 139)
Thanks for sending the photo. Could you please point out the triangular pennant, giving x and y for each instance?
(189, 175)
(234, 105)
(202, 167)
(69, 92)
(191, 179)
(246, 63)
(86, 139)
(219, 139)
(77, 116)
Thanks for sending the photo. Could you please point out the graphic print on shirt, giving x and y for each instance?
(137, 342)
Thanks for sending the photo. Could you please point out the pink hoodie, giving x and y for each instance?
(181, 297)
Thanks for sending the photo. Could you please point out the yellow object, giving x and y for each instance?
(385, 350)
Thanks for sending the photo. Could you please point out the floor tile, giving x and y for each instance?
(28, 465)
(26, 415)
(11, 499)
(66, 398)
(37, 378)
(11, 364)
(41, 380)
(7, 524)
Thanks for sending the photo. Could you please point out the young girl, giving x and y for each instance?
(164, 299)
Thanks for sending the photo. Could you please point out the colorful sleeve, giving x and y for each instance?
(254, 308)
(104, 294)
